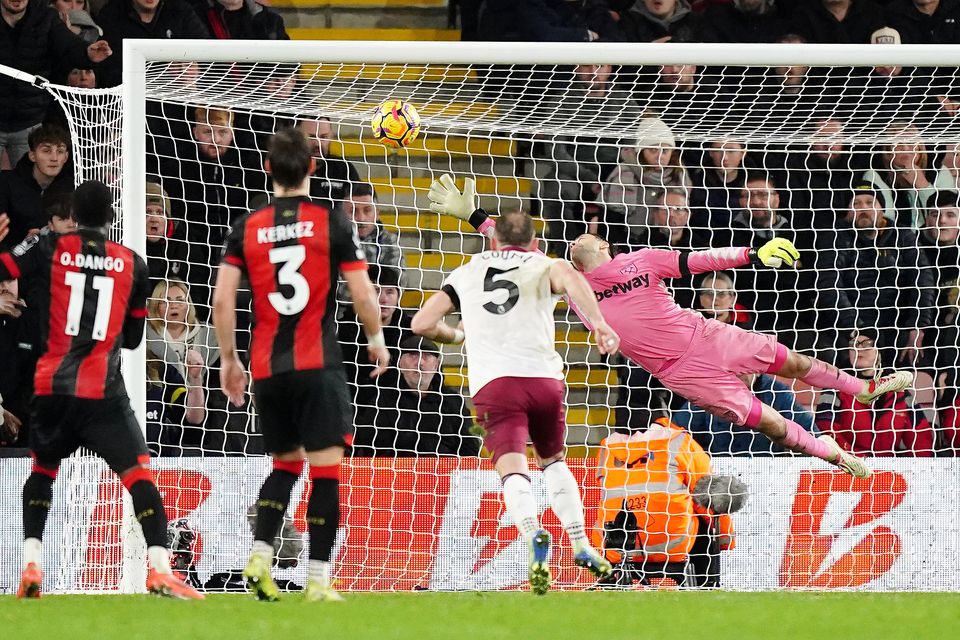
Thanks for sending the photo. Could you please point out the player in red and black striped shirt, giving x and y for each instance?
(96, 293)
(292, 252)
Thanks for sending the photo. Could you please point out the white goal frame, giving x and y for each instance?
(138, 53)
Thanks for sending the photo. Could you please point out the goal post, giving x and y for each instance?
(529, 122)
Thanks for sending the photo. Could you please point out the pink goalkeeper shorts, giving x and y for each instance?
(707, 374)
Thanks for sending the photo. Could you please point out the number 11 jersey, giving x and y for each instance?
(292, 252)
(507, 304)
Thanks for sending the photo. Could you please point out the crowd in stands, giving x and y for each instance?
(878, 227)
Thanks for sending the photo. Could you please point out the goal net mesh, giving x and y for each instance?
(858, 166)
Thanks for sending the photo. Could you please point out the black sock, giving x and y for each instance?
(37, 498)
(148, 508)
(272, 504)
(323, 517)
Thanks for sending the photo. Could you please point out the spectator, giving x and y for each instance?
(353, 341)
(240, 20)
(417, 414)
(948, 175)
(775, 296)
(722, 438)
(34, 39)
(664, 21)
(901, 174)
(542, 21)
(176, 407)
(333, 176)
(747, 21)
(949, 411)
(59, 210)
(670, 229)
(381, 247)
(837, 21)
(719, 186)
(938, 240)
(169, 255)
(631, 190)
(655, 517)
(926, 21)
(215, 181)
(576, 164)
(82, 78)
(16, 375)
(42, 172)
(149, 19)
(873, 275)
(717, 299)
(173, 329)
(892, 426)
(76, 15)
(681, 94)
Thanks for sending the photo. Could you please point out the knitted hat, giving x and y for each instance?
(157, 196)
(654, 132)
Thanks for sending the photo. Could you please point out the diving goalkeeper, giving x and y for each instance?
(696, 357)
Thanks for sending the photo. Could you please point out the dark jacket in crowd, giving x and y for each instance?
(408, 423)
(639, 25)
(21, 197)
(252, 21)
(729, 24)
(356, 361)
(173, 258)
(812, 21)
(174, 19)
(720, 438)
(532, 20)
(892, 426)
(38, 43)
(916, 27)
(330, 183)
(19, 350)
(881, 282)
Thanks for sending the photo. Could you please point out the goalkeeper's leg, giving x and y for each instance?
(821, 375)
(792, 436)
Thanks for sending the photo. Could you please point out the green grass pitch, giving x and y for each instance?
(462, 616)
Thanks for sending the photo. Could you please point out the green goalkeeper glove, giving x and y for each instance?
(776, 253)
(445, 198)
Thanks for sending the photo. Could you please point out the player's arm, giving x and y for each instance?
(27, 257)
(4, 226)
(677, 264)
(428, 322)
(367, 307)
(565, 280)
(233, 377)
(446, 199)
(136, 320)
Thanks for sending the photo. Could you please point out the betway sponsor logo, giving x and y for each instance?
(643, 280)
(281, 232)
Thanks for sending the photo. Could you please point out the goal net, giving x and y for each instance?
(680, 147)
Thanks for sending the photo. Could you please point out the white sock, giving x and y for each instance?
(518, 497)
(319, 571)
(159, 559)
(264, 550)
(32, 551)
(565, 501)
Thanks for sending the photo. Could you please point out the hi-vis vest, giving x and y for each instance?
(651, 475)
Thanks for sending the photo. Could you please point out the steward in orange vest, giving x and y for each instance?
(661, 509)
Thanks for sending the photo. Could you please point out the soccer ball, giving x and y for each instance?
(396, 123)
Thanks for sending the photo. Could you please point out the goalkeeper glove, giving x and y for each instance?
(445, 198)
(776, 253)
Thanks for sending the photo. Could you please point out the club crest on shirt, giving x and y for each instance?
(629, 269)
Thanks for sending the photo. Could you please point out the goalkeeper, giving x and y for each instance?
(695, 357)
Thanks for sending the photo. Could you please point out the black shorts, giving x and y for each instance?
(62, 424)
(309, 409)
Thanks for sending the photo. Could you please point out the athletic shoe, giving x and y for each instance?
(170, 586)
(319, 592)
(846, 460)
(30, 581)
(257, 576)
(589, 558)
(896, 381)
(539, 562)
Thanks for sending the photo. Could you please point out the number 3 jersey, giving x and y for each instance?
(506, 303)
(292, 252)
(94, 294)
